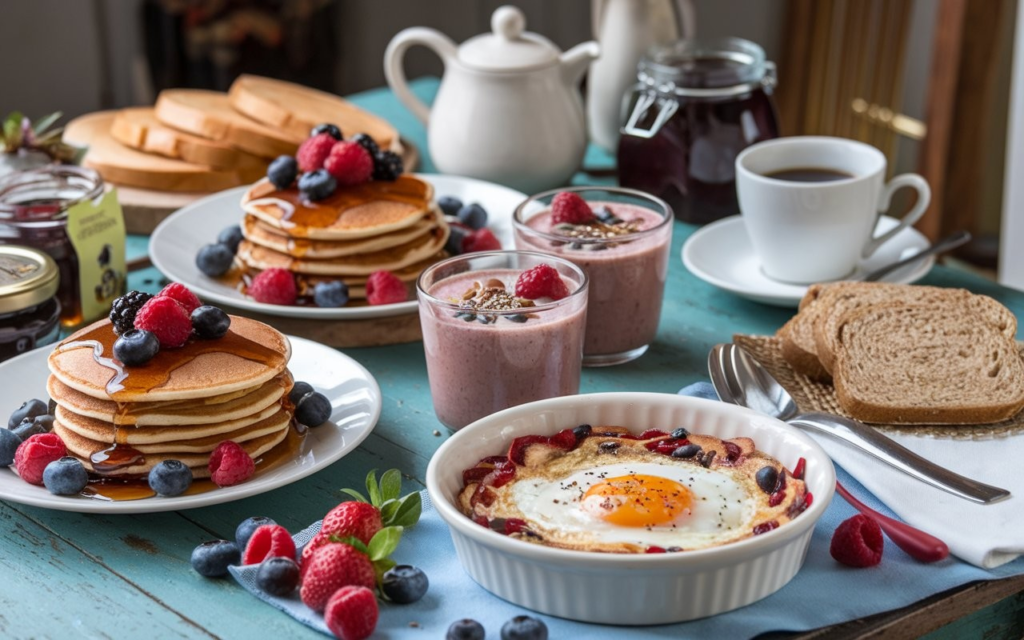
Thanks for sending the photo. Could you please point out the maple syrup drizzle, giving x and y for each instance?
(115, 383)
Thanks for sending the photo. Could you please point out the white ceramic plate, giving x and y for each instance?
(353, 393)
(721, 254)
(174, 244)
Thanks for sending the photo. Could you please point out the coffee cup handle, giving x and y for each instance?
(924, 197)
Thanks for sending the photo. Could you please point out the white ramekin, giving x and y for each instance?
(629, 589)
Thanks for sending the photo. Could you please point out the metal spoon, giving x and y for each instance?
(948, 243)
(740, 379)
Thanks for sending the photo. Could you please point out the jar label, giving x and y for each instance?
(96, 230)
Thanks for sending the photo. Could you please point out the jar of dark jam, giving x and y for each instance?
(33, 213)
(694, 107)
(29, 310)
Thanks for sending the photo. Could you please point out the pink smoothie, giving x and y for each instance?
(627, 279)
(476, 369)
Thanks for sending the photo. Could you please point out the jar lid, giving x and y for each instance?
(711, 68)
(27, 278)
(509, 47)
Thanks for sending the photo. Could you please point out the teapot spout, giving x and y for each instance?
(576, 60)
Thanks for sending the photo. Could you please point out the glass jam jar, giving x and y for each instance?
(33, 213)
(29, 310)
(694, 107)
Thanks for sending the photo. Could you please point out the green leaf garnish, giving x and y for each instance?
(352, 541)
(408, 512)
(372, 488)
(384, 543)
(390, 485)
(355, 494)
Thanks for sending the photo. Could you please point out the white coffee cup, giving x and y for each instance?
(817, 231)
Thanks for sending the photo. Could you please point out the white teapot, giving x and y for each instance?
(508, 109)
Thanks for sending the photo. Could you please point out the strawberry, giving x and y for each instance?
(357, 519)
(569, 208)
(269, 541)
(182, 294)
(351, 613)
(332, 567)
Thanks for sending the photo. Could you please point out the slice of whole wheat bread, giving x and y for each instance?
(798, 346)
(938, 360)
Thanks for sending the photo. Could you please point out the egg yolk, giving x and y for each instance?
(637, 500)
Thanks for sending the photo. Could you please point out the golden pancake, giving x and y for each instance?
(260, 233)
(250, 354)
(357, 284)
(257, 257)
(215, 409)
(353, 212)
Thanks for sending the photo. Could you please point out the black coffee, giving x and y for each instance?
(808, 174)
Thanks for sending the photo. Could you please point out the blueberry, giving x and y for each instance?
(9, 442)
(524, 628)
(313, 409)
(210, 322)
(473, 216)
(404, 584)
(215, 259)
(367, 143)
(278, 576)
(299, 389)
(29, 409)
(29, 427)
(136, 347)
(686, 451)
(281, 173)
(65, 477)
(582, 431)
(608, 446)
(449, 205)
(212, 559)
(330, 294)
(680, 433)
(170, 478)
(454, 244)
(231, 236)
(768, 479)
(328, 128)
(249, 526)
(317, 185)
(465, 629)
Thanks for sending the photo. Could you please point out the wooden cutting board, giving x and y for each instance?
(209, 114)
(296, 109)
(139, 129)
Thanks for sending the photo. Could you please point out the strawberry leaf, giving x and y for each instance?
(388, 510)
(408, 512)
(44, 123)
(390, 485)
(372, 489)
(355, 494)
(384, 543)
(351, 541)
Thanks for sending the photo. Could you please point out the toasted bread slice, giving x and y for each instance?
(798, 346)
(937, 360)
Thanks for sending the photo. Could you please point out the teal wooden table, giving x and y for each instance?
(71, 575)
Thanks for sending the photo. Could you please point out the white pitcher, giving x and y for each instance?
(508, 109)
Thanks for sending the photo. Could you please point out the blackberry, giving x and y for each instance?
(387, 165)
(330, 129)
(122, 313)
(367, 143)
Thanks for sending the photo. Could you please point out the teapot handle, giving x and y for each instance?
(395, 54)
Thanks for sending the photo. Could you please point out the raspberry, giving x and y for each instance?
(480, 240)
(332, 567)
(181, 293)
(358, 519)
(274, 286)
(858, 542)
(349, 163)
(351, 613)
(230, 464)
(165, 318)
(269, 541)
(569, 208)
(314, 151)
(384, 287)
(35, 453)
(542, 281)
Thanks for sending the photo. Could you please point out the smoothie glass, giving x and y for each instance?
(627, 272)
(483, 361)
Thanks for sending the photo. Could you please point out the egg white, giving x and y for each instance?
(722, 508)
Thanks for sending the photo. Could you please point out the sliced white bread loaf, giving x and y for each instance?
(933, 361)
(798, 346)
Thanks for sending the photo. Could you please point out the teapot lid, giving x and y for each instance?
(509, 47)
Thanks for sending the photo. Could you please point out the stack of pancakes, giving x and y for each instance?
(122, 421)
(391, 226)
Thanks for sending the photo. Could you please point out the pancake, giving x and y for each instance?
(357, 284)
(201, 411)
(353, 212)
(260, 233)
(83, 448)
(258, 257)
(251, 354)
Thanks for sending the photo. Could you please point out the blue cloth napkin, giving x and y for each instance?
(823, 593)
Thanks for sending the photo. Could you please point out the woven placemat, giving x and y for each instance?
(815, 396)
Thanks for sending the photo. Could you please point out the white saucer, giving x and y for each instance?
(721, 254)
(355, 400)
(174, 244)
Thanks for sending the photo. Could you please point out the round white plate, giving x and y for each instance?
(174, 244)
(721, 254)
(353, 393)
